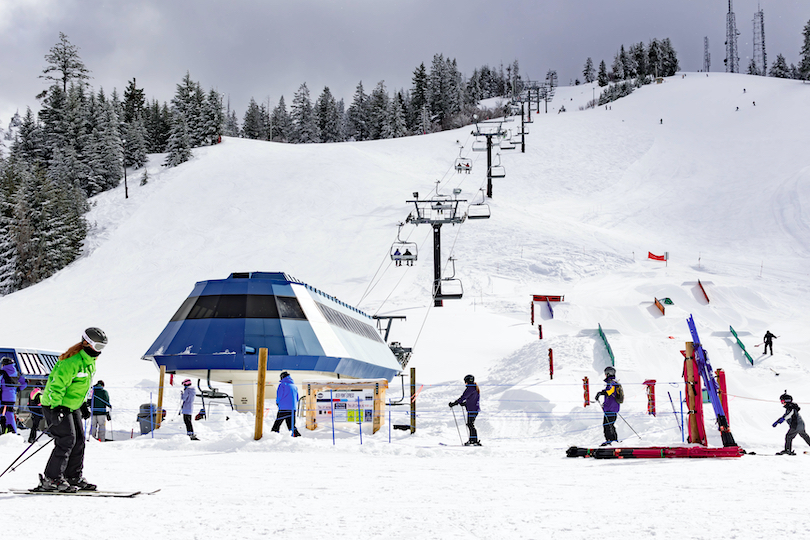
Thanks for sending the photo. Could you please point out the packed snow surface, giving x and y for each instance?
(712, 170)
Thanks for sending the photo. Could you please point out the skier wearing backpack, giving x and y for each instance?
(795, 424)
(469, 399)
(613, 398)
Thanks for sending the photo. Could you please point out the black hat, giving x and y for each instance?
(283, 374)
(610, 371)
(786, 397)
(100, 383)
(469, 379)
(7, 360)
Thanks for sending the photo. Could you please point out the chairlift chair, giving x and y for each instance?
(403, 251)
(506, 143)
(497, 170)
(451, 287)
(463, 164)
(479, 145)
(479, 210)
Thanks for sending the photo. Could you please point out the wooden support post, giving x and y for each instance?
(721, 386)
(159, 414)
(694, 397)
(586, 388)
(550, 364)
(413, 400)
(650, 384)
(540, 330)
(262, 378)
(378, 409)
(311, 403)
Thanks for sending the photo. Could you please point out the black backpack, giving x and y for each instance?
(618, 394)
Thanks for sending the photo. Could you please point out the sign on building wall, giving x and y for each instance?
(348, 405)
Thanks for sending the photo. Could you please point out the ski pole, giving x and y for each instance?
(11, 467)
(457, 428)
(628, 425)
(676, 414)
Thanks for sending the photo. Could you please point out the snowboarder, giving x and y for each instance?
(611, 405)
(188, 408)
(10, 382)
(101, 400)
(768, 340)
(469, 399)
(64, 406)
(795, 424)
(287, 401)
(35, 408)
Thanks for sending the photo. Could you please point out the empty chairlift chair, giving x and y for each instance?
(507, 143)
(497, 170)
(449, 288)
(479, 210)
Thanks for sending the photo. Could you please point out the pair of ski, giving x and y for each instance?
(119, 494)
(460, 445)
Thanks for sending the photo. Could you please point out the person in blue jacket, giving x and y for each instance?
(11, 381)
(188, 408)
(795, 424)
(469, 399)
(610, 405)
(287, 401)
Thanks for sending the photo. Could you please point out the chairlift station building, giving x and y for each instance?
(218, 331)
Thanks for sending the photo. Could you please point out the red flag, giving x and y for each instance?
(656, 257)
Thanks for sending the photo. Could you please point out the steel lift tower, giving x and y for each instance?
(760, 57)
(732, 53)
(707, 58)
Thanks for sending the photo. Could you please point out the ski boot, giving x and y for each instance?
(607, 443)
(60, 484)
(472, 443)
(82, 484)
(786, 453)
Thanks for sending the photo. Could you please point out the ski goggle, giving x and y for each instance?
(95, 345)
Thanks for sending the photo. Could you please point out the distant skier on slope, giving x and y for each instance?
(469, 399)
(768, 339)
(64, 406)
(795, 424)
(613, 397)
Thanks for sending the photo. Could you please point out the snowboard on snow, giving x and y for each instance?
(120, 494)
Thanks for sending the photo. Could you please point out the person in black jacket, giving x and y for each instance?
(35, 408)
(795, 424)
(768, 339)
(469, 399)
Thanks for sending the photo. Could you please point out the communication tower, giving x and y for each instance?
(707, 58)
(760, 57)
(732, 53)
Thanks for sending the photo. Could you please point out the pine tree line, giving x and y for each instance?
(440, 98)
(780, 68)
(75, 148)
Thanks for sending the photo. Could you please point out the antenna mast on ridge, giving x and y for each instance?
(707, 58)
(732, 55)
(760, 57)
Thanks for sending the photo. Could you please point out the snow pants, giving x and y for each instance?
(768, 344)
(471, 416)
(189, 427)
(284, 415)
(98, 427)
(67, 458)
(8, 422)
(609, 426)
(791, 434)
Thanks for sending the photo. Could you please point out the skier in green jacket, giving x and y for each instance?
(64, 406)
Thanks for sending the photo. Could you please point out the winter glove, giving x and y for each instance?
(60, 413)
(453, 403)
(109, 417)
(85, 411)
(779, 421)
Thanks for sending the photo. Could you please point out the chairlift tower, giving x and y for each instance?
(707, 57)
(490, 129)
(437, 211)
(732, 52)
(760, 57)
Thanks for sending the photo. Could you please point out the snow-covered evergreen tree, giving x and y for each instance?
(779, 68)
(602, 76)
(357, 116)
(419, 99)
(64, 64)
(253, 126)
(804, 62)
(326, 117)
(134, 103)
(179, 147)
(134, 141)
(588, 72)
(379, 120)
(303, 117)
(399, 127)
(280, 123)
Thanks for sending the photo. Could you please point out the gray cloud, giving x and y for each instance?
(267, 48)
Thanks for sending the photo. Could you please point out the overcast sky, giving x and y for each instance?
(266, 48)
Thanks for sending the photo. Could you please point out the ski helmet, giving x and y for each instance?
(34, 393)
(610, 371)
(187, 382)
(469, 379)
(6, 361)
(786, 398)
(95, 337)
(283, 374)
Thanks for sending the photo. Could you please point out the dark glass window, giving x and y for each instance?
(240, 306)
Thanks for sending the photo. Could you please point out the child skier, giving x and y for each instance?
(469, 399)
(188, 408)
(795, 424)
(613, 397)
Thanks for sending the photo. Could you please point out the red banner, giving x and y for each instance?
(656, 257)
